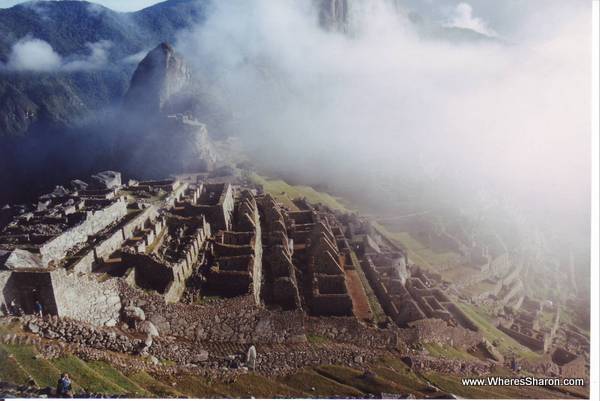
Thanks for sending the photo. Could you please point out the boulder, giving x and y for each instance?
(34, 328)
(147, 327)
(200, 356)
(134, 313)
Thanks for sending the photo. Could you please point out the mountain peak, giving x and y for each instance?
(166, 47)
(160, 75)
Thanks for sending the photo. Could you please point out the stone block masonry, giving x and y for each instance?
(94, 221)
(237, 267)
(66, 294)
(83, 297)
(281, 286)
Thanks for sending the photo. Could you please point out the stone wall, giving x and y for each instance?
(331, 304)
(94, 222)
(281, 287)
(530, 342)
(4, 277)
(351, 330)
(66, 294)
(83, 297)
(238, 263)
(104, 247)
(218, 210)
(150, 272)
(449, 366)
(167, 275)
(438, 331)
(575, 368)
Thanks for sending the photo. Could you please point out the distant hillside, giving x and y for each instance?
(29, 100)
(69, 25)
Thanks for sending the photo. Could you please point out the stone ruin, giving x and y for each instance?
(524, 326)
(304, 264)
(408, 294)
(93, 252)
(328, 291)
(164, 259)
(281, 285)
(238, 253)
(43, 237)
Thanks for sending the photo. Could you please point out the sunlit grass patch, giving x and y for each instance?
(285, 193)
(317, 385)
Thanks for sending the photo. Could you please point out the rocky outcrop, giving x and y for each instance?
(165, 115)
(160, 75)
(333, 14)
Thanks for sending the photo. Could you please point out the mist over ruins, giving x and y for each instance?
(295, 199)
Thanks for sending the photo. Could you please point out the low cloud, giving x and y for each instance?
(510, 118)
(32, 54)
(462, 17)
(136, 57)
(97, 58)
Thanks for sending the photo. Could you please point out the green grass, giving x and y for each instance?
(252, 385)
(452, 384)
(418, 252)
(449, 352)
(506, 344)
(10, 371)
(113, 375)
(197, 387)
(316, 339)
(351, 377)
(154, 386)
(43, 372)
(395, 370)
(86, 377)
(306, 380)
(285, 193)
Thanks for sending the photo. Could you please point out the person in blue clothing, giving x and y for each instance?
(38, 308)
(63, 388)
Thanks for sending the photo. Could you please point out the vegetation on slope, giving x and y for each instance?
(285, 193)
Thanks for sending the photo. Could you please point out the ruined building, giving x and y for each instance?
(238, 252)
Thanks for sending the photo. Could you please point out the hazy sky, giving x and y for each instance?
(514, 118)
(119, 5)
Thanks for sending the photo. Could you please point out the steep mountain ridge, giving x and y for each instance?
(161, 122)
(158, 77)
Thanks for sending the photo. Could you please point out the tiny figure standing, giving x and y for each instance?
(38, 308)
(15, 309)
(251, 357)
